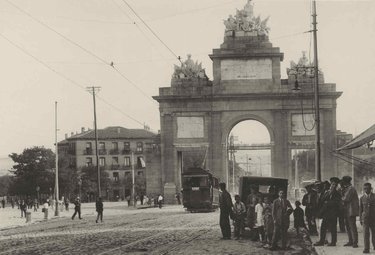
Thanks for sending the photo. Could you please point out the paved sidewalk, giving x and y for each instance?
(339, 249)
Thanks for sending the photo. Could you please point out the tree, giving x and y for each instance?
(89, 177)
(33, 167)
(5, 182)
(68, 178)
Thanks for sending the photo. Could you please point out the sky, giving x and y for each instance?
(41, 65)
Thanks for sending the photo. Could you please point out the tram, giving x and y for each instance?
(200, 190)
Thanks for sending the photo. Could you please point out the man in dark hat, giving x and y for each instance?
(329, 211)
(351, 210)
(310, 203)
(367, 216)
(226, 204)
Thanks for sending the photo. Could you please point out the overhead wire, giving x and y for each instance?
(108, 63)
(64, 76)
(152, 31)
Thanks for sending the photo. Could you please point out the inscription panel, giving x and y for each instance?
(190, 127)
(246, 69)
(303, 124)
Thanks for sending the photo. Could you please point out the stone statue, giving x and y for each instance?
(245, 20)
(189, 69)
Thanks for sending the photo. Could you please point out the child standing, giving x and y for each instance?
(259, 221)
(239, 211)
(99, 209)
(298, 214)
(268, 220)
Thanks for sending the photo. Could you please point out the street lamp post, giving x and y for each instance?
(37, 193)
(80, 185)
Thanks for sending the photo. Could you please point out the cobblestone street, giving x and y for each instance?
(169, 230)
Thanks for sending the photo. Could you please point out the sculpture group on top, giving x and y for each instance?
(303, 69)
(189, 69)
(245, 20)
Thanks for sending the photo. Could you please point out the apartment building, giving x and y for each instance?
(119, 149)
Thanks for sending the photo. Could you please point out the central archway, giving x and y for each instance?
(248, 151)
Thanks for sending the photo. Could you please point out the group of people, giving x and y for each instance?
(338, 200)
(268, 220)
(328, 201)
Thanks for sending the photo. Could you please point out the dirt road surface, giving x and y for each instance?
(169, 230)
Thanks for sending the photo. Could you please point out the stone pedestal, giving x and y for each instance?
(169, 193)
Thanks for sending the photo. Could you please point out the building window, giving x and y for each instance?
(114, 149)
(139, 147)
(88, 150)
(116, 176)
(101, 146)
(102, 161)
(114, 160)
(88, 145)
(140, 173)
(88, 161)
(127, 161)
(141, 162)
(126, 148)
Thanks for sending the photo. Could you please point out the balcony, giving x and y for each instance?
(126, 167)
(115, 166)
(114, 152)
(126, 151)
(102, 152)
(88, 151)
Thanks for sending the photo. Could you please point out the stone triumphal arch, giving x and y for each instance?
(197, 114)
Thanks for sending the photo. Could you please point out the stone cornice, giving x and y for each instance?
(247, 55)
(254, 96)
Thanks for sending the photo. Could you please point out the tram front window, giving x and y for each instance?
(194, 182)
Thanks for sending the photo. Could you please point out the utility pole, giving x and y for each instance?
(92, 90)
(133, 180)
(56, 167)
(318, 172)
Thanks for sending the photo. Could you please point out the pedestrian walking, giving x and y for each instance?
(178, 197)
(299, 218)
(35, 205)
(45, 209)
(329, 213)
(77, 208)
(351, 208)
(23, 208)
(128, 200)
(3, 203)
(160, 200)
(99, 210)
(226, 205)
(239, 212)
(66, 201)
(281, 210)
(309, 200)
(141, 197)
(367, 216)
(12, 203)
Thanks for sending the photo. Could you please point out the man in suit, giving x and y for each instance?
(281, 210)
(351, 210)
(310, 202)
(367, 216)
(330, 204)
(226, 204)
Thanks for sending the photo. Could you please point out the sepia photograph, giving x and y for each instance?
(187, 127)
